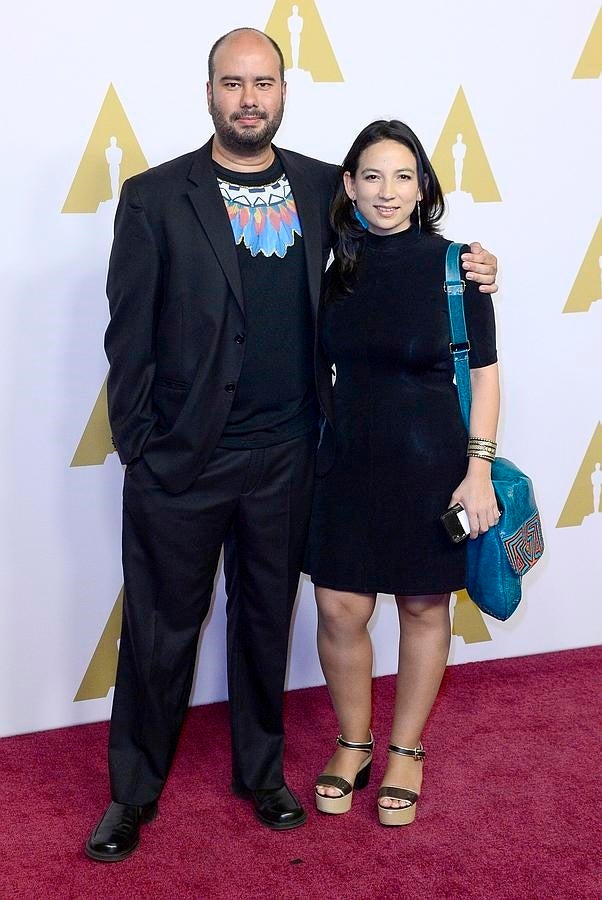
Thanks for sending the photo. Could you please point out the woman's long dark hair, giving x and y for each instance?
(349, 233)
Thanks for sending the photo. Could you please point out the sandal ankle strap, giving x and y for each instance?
(417, 753)
(366, 746)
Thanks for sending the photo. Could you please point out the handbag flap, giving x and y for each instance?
(519, 525)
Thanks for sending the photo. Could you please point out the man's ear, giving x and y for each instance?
(209, 94)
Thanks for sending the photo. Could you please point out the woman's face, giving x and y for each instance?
(385, 186)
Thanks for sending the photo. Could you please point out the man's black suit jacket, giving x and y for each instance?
(175, 342)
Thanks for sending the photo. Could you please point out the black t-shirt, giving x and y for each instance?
(275, 396)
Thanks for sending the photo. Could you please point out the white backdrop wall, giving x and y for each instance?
(540, 148)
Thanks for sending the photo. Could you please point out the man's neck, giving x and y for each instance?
(235, 162)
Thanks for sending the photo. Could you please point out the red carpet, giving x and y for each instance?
(509, 806)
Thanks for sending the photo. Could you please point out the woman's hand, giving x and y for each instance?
(475, 493)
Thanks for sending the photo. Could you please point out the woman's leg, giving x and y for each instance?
(423, 649)
(345, 652)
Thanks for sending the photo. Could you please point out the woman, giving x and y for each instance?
(400, 457)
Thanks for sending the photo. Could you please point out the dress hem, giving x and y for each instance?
(413, 592)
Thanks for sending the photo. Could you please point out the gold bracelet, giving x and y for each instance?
(481, 454)
(485, 441)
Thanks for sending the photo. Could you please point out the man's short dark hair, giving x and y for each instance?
(219, 41)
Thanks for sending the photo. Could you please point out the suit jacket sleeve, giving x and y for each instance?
(134, 293)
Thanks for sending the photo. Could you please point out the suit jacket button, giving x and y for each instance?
(239, 338)
(230, 387)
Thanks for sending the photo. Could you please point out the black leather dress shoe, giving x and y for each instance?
(117, 834)
(278, 808)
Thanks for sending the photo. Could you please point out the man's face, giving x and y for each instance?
(246, 97)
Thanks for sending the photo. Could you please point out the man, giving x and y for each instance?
(213, 286)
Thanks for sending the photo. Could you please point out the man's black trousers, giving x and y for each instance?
(257, 504)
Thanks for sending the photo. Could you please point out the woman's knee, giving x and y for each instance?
(427, 609)
(340, 610)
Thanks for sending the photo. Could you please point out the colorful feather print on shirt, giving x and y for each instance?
(265, 218)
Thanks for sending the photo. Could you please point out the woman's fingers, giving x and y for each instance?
(481, 520)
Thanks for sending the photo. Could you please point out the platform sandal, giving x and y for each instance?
(402, 815)
(342, 803)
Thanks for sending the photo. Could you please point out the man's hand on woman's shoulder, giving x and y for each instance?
(481, 266)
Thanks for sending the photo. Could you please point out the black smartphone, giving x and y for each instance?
(455, 522)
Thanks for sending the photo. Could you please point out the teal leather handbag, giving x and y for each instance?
(496, 560)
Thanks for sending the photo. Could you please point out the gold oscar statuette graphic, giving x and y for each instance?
(95, 443)
(469, 623)
(584, 502)
(112, 154)
(590, 61)
(459, 158)
(588, 284)
(299, 32)
(99, 677)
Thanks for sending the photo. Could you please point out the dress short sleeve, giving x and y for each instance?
(480, 325)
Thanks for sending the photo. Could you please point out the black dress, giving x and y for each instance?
(400, 440)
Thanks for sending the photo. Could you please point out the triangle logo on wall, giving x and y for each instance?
(112, 154)
(459, 158)
(584, 503)
(299, 32)
(96, 442)
(99, 677)
(468, 622)
(587, 288)
(590, 61)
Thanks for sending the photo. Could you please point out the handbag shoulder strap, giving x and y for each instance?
(459, 345)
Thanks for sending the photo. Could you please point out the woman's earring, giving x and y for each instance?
(359, 216)
(419, 220)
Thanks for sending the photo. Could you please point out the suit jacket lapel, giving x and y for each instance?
(308, 208)
(211, 211)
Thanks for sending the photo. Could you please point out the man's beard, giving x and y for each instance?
(249, 140)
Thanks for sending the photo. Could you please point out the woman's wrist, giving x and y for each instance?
(478, 467)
